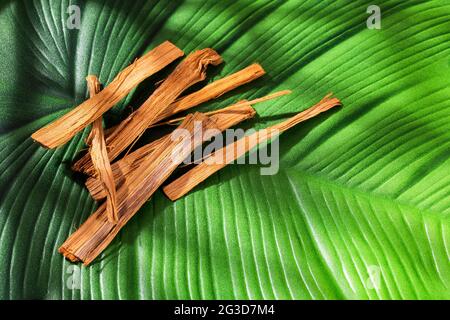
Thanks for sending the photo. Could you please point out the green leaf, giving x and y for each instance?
(359, 209)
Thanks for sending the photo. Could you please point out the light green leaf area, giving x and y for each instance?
(358, 210)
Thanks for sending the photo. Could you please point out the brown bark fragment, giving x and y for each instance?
(99, 156)
(190, 71)
(224, 118)
(231, 152)
(94, 235)
(64, 128)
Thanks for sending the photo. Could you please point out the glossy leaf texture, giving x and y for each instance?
(359, 209)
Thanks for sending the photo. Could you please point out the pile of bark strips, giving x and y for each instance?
(125, 182)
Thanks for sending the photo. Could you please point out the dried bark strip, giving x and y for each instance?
(224, 156)
(209, 92)
(64, 128)
(94, 235)
(224, 119)
(99, 156)
(190, 71)
(213, 90)
(241, 103)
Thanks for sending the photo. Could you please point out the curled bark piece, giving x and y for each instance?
(231, 152)
(190, 71)
(94, 235)
(64, 128)
(224, 119)
(99, 157)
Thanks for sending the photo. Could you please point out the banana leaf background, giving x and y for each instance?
(359, 209)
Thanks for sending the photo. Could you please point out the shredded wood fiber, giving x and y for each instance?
(99, 156)
(224, 119)
(224, 156)
(133, 178)
(239, 104)
(210, 91)
(94, 235)
(190, 71)
(64, 128)
(213, 90)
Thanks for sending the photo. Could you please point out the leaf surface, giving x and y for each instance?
(359, 209)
